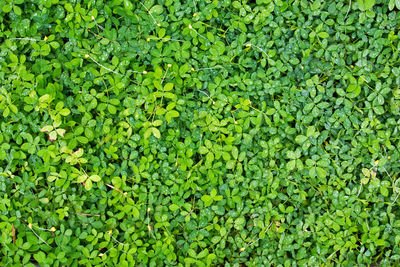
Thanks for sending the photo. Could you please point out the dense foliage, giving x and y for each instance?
(197, 133)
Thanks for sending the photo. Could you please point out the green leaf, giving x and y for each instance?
(365, 4)
(65, 112)
(173, 113)
(57, 121)
(112, 109)
(82, 139)
(203, 254)
(51, 178)
(156, 132)
(291, 165)
(380, 100)
(203, 150)
(168, 87)
(300, 139)
(17, 10)
(323, 35)
(6, 112)
(89, 133)
(40, 257)
(379, 110)
(230, 164)
(128, 5)
(364, 180)
(82, 178)
(210, 36)
(291, 155)
(79, 153)
(7, 8)
(69, 7)
(384, 191)
(391, 4)
(183, 69)
(88, 184)
(321, 172)
(13, 58)
(218, 198)
(207, 200)
(13, 108)
(60, 132)
(366, 172)
(95, 178)
(209, 157)
(147, 133)
(157, 9)
(192, 253)
(53, 136)
(157, 122)
(135, 212)
(173, 207)
(236, 4)
(169, 95)
(213, 193)
(397, 4)
(114, 61)
(46, 128)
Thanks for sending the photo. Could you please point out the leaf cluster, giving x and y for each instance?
(199, 133)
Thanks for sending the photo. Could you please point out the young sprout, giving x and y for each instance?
(210, 68)
(94, 19)
(104, 67)
(259, 48)
(165, 39)
(25, 38)
(31, 226)
(135, 71)
(194, 4)
(209, 97)
(110, 232)
(38, 236)
(148, 11)
(251, 242)
(165, 74)
(394, 201)
(191, 28)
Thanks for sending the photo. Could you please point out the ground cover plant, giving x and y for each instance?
(199, 133)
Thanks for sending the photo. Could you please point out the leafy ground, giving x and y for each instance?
(197, 133)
